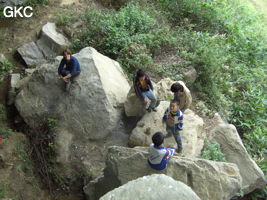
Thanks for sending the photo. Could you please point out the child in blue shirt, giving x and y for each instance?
(173, 117)
(158, 154)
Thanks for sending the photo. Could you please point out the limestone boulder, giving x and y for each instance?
(93, 106)
(192, 134)
(231, 145)
(208, 179)
(164, 89)
(156, 186)
(13, 81)
(133, 106)
(31, 54)
(2, 58)
(189, 75)
(51, 42)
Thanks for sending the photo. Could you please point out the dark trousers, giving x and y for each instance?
(66, 72)
(71, 79)
(177, 137)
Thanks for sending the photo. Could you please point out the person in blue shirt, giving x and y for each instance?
(158, 154)
(69, 68)
(173, 117)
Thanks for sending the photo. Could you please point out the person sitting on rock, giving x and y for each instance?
(69, 68)
(182, 94)
(173, 117)
(144, 90)
(158, 154)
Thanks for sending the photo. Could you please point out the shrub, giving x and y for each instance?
(212, 151)
(130, 35)
(5, 66)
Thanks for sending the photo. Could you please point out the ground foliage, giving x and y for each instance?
(225, 41)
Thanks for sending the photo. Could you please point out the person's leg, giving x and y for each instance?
(74, 76)
(178, 139)
(169, 130)
(152, 98)
(67, 84)
(144, 94)
(64, 72)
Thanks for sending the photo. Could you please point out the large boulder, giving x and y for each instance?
(13, 81)
(93, 106)
(208, 179)
(156, 186)
(231, 145)
(164, 89)
(31, 54)
(192, 134)
(133, 106)
(51, 43)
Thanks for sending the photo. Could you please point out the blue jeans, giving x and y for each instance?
(177, 136)
(150, 95)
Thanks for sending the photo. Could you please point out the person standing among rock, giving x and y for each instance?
(173, 117)
(158, 154)
(69, 68)
(144, 90)
(182, 95)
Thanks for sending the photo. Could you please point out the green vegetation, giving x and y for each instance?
(3, 190)
(225, 41)
(34, 3)
(129, 35)
(5, 66)
(52, 123)
(212, 151)
(22, 152)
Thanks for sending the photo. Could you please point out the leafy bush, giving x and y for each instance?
(212, 151)
(5, 66)
(130, 35)
(5, 132)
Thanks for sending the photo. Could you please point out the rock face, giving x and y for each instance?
(31, 54)
(90, 110)
(208, 179)
(49, 45)
(156, 186)
(164, 89)
(231, 145)
(51, 42)
(13, 80)
(133, 105)
(192, 135)
(189, 75)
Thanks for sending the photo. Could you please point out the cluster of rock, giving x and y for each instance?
(93, 110)
(47, 47)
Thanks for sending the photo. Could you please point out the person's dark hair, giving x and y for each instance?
(140, 73)
(67, 51)
(177, 87)
(158, 138)
(175, 101)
